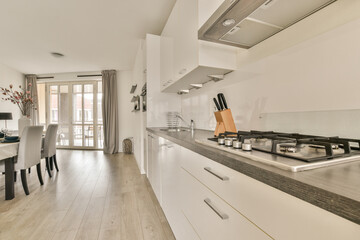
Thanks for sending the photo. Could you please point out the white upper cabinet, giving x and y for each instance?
(185, 39)
(184, 58)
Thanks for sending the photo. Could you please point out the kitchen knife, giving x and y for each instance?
(216, 104)
(220, 102)
(223, 100)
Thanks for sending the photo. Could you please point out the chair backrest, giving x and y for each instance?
(50, 140)
(29, 153)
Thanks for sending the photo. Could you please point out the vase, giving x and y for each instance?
(23, 122)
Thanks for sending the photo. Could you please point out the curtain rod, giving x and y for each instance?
(44, 77)
(94, 75)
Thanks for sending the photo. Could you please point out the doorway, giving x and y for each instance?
(76, 107)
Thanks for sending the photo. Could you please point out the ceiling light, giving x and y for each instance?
(196, 85)
(184, 91)
(228, 22)
(56, 54)
(216, 78)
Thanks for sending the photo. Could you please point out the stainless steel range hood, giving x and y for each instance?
(245, 23)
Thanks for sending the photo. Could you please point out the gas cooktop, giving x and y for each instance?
(290, 151)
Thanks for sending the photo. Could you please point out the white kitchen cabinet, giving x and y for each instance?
(149, 158)
(164, 177)
(184, 58)
(154, 170)
(166, 61)
(179, 50)
(185, 181)
(158, 103)
(186, 51)
(171, 196)
(212, 218)
(279, 214)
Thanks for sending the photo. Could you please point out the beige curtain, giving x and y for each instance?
(110, 111)
(33, 112)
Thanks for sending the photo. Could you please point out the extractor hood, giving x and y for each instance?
(245, 23)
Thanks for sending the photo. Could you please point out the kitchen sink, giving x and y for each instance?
(175, 129)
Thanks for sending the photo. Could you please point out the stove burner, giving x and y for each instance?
(287, 148)
(292, 145)
(228, 142)
(334, 146)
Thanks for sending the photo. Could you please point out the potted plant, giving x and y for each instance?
(22, 98)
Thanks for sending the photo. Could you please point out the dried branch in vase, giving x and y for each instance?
(22, 98)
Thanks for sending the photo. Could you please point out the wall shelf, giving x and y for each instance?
(133, 87)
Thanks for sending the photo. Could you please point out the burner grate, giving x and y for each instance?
(279, 140)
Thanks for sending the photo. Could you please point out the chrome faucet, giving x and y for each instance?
(190, 126)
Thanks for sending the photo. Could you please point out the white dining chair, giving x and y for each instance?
(29, 154)
(49, 148)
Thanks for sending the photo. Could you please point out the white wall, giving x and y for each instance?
(139, 78)
(124, 105)
(10, 76)
(317, 79)
(132, 124)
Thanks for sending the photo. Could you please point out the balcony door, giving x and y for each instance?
(76, 107)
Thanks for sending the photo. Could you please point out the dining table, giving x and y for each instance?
(8, 153)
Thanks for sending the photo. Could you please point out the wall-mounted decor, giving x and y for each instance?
(143, 97)
(133, 87)
(143, 103)
(136, 101)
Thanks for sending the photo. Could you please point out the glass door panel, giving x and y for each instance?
(54, 106)
(64, 100)
(77, 136)
(99, 103)
(77, 104)
(63, 138)
(89, 135)
(88, 104)
(100, 136)
(76, 107)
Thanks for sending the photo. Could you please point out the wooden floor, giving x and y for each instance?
(94, 196)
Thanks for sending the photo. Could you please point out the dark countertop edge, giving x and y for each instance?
(337, 204)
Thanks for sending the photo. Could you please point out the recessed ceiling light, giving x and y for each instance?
(228, 22)
(56, 54)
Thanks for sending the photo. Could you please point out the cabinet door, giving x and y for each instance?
(277, 213)
(186, 44)
(156, 168)
(153, 171)
(149, 172)
(170, 171)
(166, 61)
(170, 168)
(213, 218)
(167, 48)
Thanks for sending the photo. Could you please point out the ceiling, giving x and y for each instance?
(92, 34)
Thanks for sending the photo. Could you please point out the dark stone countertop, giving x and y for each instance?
(335, 188)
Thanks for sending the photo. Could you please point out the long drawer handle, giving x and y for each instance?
(223, 216)
(223, 178)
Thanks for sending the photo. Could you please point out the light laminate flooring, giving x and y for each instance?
(94, 196)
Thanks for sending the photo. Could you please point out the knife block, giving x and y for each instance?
(225, 122)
